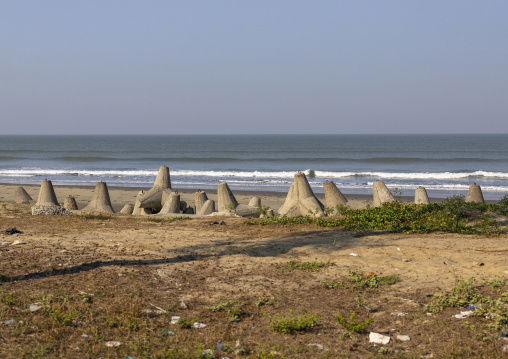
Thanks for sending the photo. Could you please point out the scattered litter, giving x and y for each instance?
(80, 292)
(370, 273)
(62, 250)
(4, 243)
(378, 338)
(239, 350)
(446, 263)
(398, 249)
(354, 255)
(222, 223)
(183, 305)
(317, 345)
(34, 307)
(470, 306)
(113, 344)
(11, 231)
(429, 314)
(504, 335)
(207, 352)
(219, 347)
(168, 332)
(407, 300)
(151, 312)
(197, 325)
(403, 338)
(85, 336)
(18, 242)
(406, 260)
(479, 264)
(463, 315)
(401, 314)
(10, 322)
(211, 224)
(175, 319)
(159, 310)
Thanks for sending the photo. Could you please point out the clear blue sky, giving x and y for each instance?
(128, 67)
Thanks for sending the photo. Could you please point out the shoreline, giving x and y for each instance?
(127, 195)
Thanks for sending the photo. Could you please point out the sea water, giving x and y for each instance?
(444, 164)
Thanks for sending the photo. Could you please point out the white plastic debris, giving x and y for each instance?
(463, 315)
(317, 345)
(10, 322)
(18, 242)
(175, 319)
(34, 307)
(113, 344)
(197, 325)
(403, 338)
(354, 254)
(400, 314)
(377, 338)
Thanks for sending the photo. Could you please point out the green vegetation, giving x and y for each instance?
(291, 323)
(361, 280)
(98, 216)
(453, 215)
(233, 308)
(186, 324)
(263, 301)
(352, 325)
(466, 294)
(306, 266)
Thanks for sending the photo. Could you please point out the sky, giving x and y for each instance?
(253, 67)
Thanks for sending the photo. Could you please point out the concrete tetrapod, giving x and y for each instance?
(333, 196)
(137, 209)
(475, 194)
(100, 202)
(127, 209)
(21, 196)
(381, 194)
(200, 198)
(47, 202)
(255, 202)
(172, 204)
(70, 204)
(153, 198)
(301, 200)
(226, 199)
(421, 196)
(250, 210)
(207, 208)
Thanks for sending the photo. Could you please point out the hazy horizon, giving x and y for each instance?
(287, 67)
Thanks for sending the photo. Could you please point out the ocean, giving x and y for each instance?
(444, 164)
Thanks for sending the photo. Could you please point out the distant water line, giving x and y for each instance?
(444, 164)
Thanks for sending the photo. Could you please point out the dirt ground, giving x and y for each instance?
(132, 264)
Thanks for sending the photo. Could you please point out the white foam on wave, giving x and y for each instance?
(413, 175)
(255, 174)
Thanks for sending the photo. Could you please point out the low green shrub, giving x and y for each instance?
(351, 324)
(291, 323)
